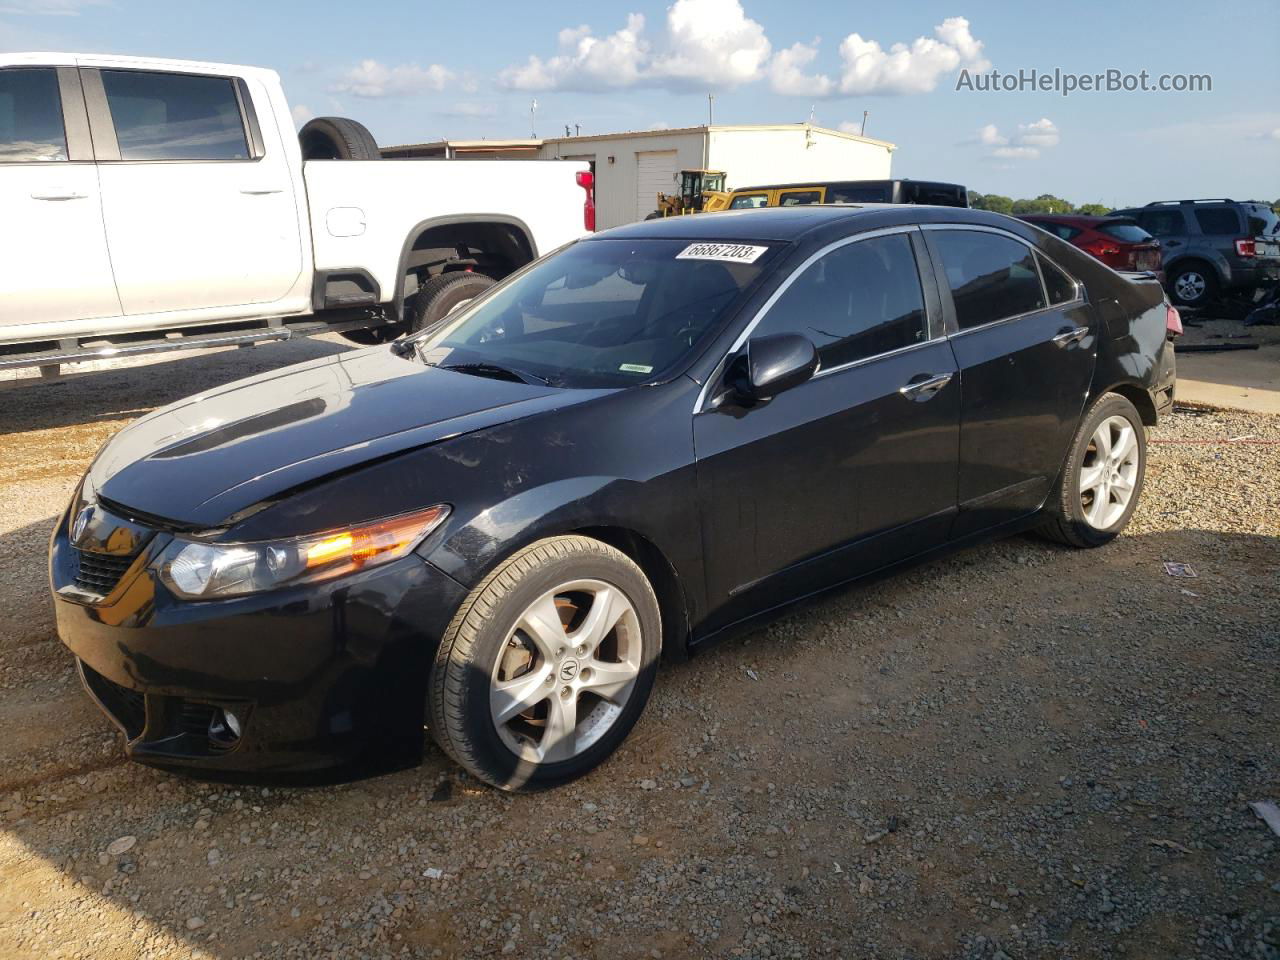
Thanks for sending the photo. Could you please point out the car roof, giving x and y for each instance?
(793, 223)
(1074, 220)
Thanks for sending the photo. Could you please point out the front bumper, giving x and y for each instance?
(318, 677)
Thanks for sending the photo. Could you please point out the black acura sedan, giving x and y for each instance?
(639, 444)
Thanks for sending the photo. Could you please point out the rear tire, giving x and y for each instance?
(1099, 488)
(513, 694)
(442, 294)
(337, 138)
(1193, 285)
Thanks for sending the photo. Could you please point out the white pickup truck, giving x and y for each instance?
(154, 205)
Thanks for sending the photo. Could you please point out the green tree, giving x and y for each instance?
(1045, 203)
(991, 201)
(1093, 210)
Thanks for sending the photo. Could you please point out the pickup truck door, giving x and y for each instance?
(197, 193)
(52, 246)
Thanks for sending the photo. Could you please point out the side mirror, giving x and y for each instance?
(769, 365)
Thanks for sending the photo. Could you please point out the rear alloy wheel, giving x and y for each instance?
(1193, 286)
(1100, 485)
(547, 665)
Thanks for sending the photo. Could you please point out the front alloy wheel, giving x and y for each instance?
(547, 664)
(566, 672)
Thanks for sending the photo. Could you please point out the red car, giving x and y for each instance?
(1117, 241)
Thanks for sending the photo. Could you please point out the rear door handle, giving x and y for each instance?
(59, 195)
(261, 191)
(1068, 337)
(925, 389)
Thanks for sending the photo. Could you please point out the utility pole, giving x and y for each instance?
(863, 131)
(533, 109)
(711, 109)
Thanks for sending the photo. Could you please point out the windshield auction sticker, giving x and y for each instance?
(730, 252)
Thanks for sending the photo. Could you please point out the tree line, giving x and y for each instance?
(1045, 203)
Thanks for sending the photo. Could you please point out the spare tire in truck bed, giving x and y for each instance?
(337, 138)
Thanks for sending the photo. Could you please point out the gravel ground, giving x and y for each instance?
(1021, 751)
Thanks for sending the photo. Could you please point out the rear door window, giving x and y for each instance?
(749, 201)
(858, 301)
(1126, 231)
(797, 198)
(991, 277)
(1162, 223)
(1060, 287)
(1217, 220)
(31, 116)
(1263, 221)
(855, 194)
(172, 116)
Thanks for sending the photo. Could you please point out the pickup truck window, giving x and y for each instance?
(31, 116)
(172, 116)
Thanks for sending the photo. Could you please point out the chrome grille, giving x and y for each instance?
(98, 573)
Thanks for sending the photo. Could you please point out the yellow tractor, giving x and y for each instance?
(699, 190)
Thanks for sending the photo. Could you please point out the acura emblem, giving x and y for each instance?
(568, 669)
(81, 523)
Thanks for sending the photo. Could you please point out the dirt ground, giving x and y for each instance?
(1020, 751)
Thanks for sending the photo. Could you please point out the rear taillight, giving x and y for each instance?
(1245, 247)
(587, 181)
(1100, 248)
(1172, 321)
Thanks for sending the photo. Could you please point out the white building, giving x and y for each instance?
(632, 168)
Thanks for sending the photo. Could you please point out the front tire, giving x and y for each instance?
(1102, 480)
(547, 664)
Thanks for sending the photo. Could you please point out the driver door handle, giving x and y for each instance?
(1068, 337)
(56, 194)
(925, 389)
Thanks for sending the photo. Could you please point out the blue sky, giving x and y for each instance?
(415, 71)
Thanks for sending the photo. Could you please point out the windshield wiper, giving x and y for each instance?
(497, 371)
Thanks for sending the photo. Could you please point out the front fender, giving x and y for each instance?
(472, 546)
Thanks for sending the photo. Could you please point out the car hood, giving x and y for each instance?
(206, 460)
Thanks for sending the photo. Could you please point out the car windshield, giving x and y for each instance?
(602, 313)
(1126, 231)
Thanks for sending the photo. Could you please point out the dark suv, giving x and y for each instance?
(1213, 247)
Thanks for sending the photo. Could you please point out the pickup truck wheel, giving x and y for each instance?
(547, 664)
(442, 294)
(1102, 480)
(337, 138)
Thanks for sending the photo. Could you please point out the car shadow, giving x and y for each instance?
(60, 819)
(126, 392)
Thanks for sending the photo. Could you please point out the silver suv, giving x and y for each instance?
(1213, 248)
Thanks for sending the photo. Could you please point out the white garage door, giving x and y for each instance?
(655, 173)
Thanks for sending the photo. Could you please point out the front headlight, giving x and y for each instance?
(203, 571)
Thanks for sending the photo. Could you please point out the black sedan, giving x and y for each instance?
(642, 443)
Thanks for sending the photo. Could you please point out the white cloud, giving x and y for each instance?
(711, 43)
(586, 62)
(372, 79)
(1015, 153)
(301, 114)
(990, 136)
(707, 44)
(1041, 133)
(1025, 144)
(869, 68)
(787, 76)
